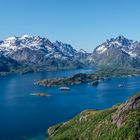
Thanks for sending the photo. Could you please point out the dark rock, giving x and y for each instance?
(95, 83)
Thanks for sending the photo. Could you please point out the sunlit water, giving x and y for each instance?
(24, 115)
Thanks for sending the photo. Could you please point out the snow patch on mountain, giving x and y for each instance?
(101, 49)
(127, 46)
(131, 53)
(40, 50)
(82, 51)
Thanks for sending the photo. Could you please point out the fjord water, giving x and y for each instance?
(23, 115)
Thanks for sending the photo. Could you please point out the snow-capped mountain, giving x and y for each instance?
(58, 49)
(39, 51)
(118, 51)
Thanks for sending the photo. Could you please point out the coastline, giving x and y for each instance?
(93, 79)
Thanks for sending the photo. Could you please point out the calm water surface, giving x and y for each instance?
(24, 115)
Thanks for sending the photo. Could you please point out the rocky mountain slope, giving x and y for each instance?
(41, 52)
(118, 51)
(6, 63)
(117, 123)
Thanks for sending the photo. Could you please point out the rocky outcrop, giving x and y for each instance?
(6, 63)
(120, 116)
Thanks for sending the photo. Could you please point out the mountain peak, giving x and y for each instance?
(117, 51)
(40, 46)
(82, 51)
(120, 37)
(25, 36)
(123, 41)
(11, 38)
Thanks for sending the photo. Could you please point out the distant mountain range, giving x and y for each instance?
(40, 51)
(118, 51)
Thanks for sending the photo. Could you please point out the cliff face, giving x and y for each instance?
(117, 123)
(124, 110)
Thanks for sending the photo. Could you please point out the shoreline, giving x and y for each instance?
(93, 78)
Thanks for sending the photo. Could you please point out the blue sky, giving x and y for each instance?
(82, 23)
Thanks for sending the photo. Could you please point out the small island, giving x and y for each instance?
(40, 94)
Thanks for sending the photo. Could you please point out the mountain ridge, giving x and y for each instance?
(118, 51)
(40, 51)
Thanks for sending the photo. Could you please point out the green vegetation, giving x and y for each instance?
(121, 122)
(94, 78)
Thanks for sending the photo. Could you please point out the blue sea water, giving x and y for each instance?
(22, 115)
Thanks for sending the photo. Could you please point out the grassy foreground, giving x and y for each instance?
(121, 122)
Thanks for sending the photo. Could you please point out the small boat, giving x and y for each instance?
(64, 88)
(120, 85)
